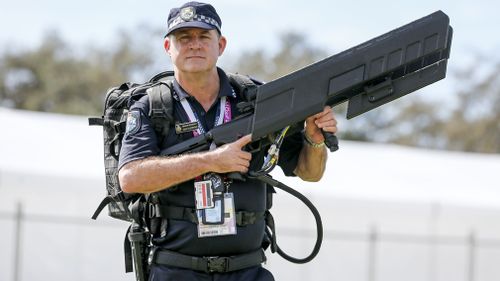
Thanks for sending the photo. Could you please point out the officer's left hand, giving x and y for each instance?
(324, 120)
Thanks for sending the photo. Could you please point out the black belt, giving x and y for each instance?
(208, 264)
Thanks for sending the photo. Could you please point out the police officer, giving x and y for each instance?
(205, 227)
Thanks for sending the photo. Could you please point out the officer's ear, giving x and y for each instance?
(166, 44)
(222, 44)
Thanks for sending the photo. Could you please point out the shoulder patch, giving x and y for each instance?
(133, 122)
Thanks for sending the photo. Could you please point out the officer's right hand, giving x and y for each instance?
(231, 158)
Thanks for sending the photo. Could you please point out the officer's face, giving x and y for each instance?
(195, 50)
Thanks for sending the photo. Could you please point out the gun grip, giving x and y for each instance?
(235, 176)
(331, 141)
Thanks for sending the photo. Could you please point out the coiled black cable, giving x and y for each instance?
(263, 175)
(319, 224)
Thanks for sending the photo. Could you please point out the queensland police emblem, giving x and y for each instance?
(188, 13)
(133, 122)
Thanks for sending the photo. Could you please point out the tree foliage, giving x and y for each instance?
(55, 78)
(473, 124)
(294, 53)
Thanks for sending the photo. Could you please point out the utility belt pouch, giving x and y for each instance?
(156, 224)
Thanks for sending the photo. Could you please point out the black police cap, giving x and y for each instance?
(193, 14)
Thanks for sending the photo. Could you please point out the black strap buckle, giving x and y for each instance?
(217, 264)
(152, 210)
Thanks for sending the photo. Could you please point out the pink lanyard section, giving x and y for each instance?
(223, 114)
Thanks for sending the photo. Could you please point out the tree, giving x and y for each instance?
(53, 78)
(472, 125)
(294, 53)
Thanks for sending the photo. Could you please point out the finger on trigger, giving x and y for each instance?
(245, 140)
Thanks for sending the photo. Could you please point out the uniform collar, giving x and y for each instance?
(224, 90)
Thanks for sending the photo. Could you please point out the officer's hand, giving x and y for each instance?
(324, 120)
(231, 158)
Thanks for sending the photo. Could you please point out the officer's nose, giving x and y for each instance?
(195, 43)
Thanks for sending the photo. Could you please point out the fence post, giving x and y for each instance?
(372, 252)
(17, 240)
(435, 211)
(472, 255)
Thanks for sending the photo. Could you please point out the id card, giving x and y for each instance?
(228, 227)
(203, 195)
(214, 215)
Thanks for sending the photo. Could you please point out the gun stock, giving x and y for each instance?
(367, 76)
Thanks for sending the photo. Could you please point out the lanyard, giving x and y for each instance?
(223, 114)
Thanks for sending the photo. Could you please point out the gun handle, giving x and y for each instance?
(331, 141)
(235, 176)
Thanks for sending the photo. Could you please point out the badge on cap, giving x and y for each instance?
(188, 13)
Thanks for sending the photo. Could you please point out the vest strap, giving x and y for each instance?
(96, 121)
(243, 218)
(160, 108)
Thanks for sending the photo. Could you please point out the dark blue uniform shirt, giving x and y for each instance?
(182, 236)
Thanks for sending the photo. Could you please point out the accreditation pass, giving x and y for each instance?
(226, 228)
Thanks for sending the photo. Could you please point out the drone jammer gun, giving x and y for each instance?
(367, 76)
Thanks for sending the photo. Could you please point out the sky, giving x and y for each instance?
(334, 25)
(330, 25)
